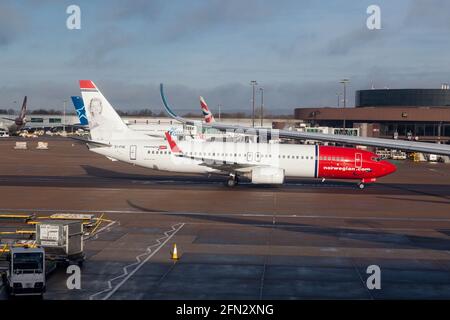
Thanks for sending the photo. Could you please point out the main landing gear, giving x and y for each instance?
(361, 185)
(232, 181)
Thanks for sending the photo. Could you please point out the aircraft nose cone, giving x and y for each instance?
(389, 167)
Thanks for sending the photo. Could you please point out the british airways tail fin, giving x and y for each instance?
(209, 118)
(23, 110)
(80, 109)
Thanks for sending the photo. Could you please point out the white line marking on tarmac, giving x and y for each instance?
(106, 228)
(149, 251)
(174, 213)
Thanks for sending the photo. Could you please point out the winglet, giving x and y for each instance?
(172, 144)
(166, 105)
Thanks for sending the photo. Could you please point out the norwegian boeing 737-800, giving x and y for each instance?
(262, 162)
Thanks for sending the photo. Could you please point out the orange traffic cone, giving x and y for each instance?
(175, 252)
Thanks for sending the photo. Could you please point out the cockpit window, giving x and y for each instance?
(376, 159)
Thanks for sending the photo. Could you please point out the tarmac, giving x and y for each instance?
(303, 240)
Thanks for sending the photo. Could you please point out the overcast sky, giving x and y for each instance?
(297, 50)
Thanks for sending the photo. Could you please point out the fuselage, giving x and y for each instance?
(306, 161)
(17, 125)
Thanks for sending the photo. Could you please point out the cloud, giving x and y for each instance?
(137, 9)
(355, 39)
(100, 49)
(12, 24)
(213, 14)
(429, 14)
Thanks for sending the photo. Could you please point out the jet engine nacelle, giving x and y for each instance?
(266, 175)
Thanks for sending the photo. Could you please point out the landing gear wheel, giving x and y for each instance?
(361, 185)
(232, 181)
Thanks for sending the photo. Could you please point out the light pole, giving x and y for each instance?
(64, 119)
(254, 84)
(220, 106)
(262, 106)
(344, 82)
(339, 99)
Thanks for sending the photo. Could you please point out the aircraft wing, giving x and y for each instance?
(221, 165)
(433, 148)
(224, 166)
(10, 119)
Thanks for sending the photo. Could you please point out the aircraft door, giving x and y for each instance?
(133, 152)
(358, 160)
(249, 156)
(258, 157)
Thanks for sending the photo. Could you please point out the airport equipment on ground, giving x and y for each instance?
(383, 153)
(398, 155)
(62, 239)
(88, 220)
(433, 158)
(42, 145)
(20, 146)
(25, 274)
(175, 252)
(13, 216)
(72, 216)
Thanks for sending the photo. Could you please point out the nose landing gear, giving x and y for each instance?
(361, 184)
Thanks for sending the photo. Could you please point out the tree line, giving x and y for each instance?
(150, 113)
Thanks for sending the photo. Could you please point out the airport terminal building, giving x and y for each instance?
(420, 114)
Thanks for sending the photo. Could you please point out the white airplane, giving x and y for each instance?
(19, 122)
(262, 162)
(432, 148)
